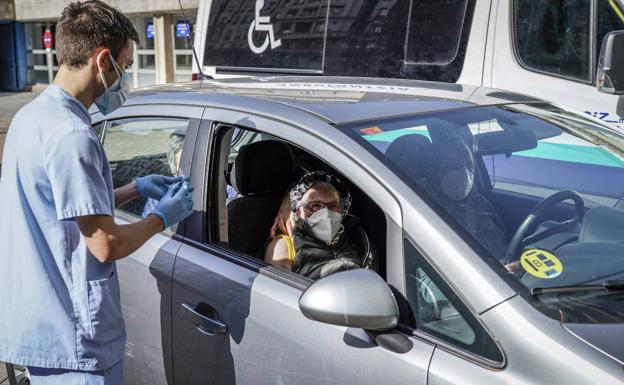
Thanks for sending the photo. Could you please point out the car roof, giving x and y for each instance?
(337, 100)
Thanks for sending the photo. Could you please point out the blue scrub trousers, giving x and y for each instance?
(108, 376)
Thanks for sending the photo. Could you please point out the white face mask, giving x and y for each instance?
(457, 184)
(325, 224)
(114, 96)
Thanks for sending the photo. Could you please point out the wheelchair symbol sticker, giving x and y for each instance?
(262, 24)
(541, 264)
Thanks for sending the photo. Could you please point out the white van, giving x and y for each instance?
(549, 49)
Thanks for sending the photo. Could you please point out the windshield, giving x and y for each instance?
(538, 188)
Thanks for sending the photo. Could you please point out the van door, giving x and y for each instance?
(549, 49)
(237, 320)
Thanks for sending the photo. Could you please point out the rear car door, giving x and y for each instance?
(138, 141)
(237, 320)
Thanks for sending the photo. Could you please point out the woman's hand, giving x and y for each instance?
(285, 219)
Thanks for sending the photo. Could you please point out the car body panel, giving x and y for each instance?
(529, 336)
(337, 100)
(144, 278)
(269, 341)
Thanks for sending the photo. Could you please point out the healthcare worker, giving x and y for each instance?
(59, 294)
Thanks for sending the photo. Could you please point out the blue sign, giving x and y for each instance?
(149, 30)
(182, 29)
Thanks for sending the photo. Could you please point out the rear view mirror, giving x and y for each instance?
(610, 78)
(504, 142)
(357, 298)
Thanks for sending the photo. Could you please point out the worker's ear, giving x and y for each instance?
(100, 59)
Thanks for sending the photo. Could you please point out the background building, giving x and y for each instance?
(162, 55)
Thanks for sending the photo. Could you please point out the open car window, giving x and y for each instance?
(252, 176)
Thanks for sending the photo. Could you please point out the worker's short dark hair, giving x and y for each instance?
(87, 25)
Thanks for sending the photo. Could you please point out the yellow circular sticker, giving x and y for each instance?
(541, 263)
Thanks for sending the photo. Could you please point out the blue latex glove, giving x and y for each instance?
(176, 204)
(155, 186)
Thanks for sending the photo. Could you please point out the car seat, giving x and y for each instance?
(261, 173)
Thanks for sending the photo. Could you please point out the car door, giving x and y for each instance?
(237, 320)
(140, 141)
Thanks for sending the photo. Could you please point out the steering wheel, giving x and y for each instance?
(538, 215)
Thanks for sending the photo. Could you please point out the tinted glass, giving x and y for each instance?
(553, 36)
(138, 147)
(435, 31)
(366, 37)
(439, 311)
(284, 34)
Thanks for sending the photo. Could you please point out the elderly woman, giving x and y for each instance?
(325, 239)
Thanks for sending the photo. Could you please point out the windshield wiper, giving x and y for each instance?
(616, 285)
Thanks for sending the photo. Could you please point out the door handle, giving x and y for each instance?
(205, 318)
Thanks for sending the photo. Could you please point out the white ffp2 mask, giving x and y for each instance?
(325, 224)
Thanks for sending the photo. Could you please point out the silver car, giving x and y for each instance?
(497, 220)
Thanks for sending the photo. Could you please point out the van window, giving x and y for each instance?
(283, 34)
(367, 38)
(424, 39)
(435, 31)
(553, 36)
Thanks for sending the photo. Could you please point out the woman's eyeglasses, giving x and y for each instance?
(315, 206)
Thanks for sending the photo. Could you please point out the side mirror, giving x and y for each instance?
(610, 78)
(357, 298)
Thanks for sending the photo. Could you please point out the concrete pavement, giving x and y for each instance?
(10, 103)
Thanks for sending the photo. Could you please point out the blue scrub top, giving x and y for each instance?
(59, 306)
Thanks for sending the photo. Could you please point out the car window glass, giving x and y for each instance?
(564, 161)
(98, 128)
(143, 146)
(553, 36)
(520, 148)
(529, 151)
(439, 311)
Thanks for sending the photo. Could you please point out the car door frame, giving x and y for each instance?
(176, 233)
(322, 147)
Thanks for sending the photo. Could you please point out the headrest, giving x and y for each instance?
(409, 150)
(454, 154)
(263, 167)
(445, 168)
